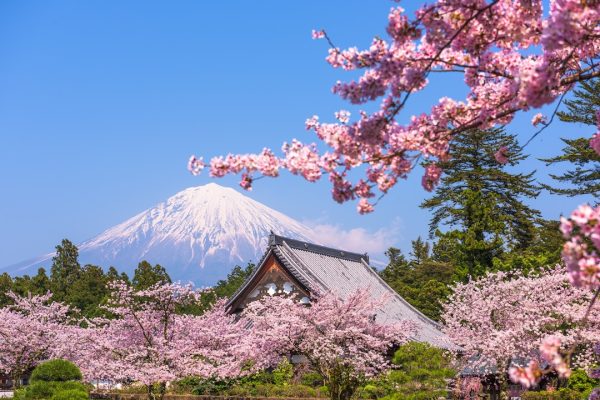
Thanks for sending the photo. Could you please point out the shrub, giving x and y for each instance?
(56, 380)
(56, 371)
(70, 395)
(46, 390)
(581, 382)
(311, 379)
(561, 394)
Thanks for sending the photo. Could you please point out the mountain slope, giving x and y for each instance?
(198, 234)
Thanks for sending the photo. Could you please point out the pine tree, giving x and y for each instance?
(481, 203)
(585, 177)
(146, 275)
(65, 269)
(40, 283)
(6, 285)
(89, 291)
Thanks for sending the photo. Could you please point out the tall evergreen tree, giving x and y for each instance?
(40, 283)
(89, 291)
(146, 275)
(6, 285)
(65, 269)
(585, 177)
(481, 203)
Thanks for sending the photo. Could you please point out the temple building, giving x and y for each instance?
(293, 267)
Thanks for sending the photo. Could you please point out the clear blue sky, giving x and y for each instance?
(102, 102)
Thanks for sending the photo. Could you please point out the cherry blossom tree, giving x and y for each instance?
(148, 341)
(339, 338)
(32, 330)
(504, 315)
(529, 59)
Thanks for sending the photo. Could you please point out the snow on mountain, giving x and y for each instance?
(198, 235)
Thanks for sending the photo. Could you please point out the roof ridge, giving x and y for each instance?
(317, 248)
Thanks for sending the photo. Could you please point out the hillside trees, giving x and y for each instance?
(421, 280)
(146, 275)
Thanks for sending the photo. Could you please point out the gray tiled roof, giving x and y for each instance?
(323, 269)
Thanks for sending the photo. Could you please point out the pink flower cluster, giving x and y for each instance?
(581, 253)
(148, 339)
(501, 155)
(332, 333)
(528, 60)
(504, 315)
(530, 375)
(539, 118)
(527, 376)
(32, 330)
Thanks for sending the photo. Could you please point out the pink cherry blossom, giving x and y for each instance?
(527, 376)
(501, 155)
(595, 143)
(530, 59)
(148, 341)
(581, 253)
(318, 34)
(539, 118)
(431, 177)
(343, 116)
(195, 165)
(504, 315)
(32, 330)
(364, 207)
(334, 335)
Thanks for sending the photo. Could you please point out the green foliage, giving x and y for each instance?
(561, 394)
(420, 372)
(88, 291)
(55, 380)
(65, 269)
(56, 371)
(312, 379)
(146, 275)
(283, 374)
(279, 382)
(46, 390)
(6, 285)
(70, 395)
(580, 381)
(225, 288)
(585, 177)
(473, 180)
(40, 283)
(421, 280)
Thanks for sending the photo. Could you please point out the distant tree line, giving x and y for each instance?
(86, 287)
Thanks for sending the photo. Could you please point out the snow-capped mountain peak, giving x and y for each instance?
(198, 235)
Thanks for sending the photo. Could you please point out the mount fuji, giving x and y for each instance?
(198, 235)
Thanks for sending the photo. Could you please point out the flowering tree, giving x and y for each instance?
(504, 315)
(31, 331)
(528, 60)
(148, 341)
(339, 338)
